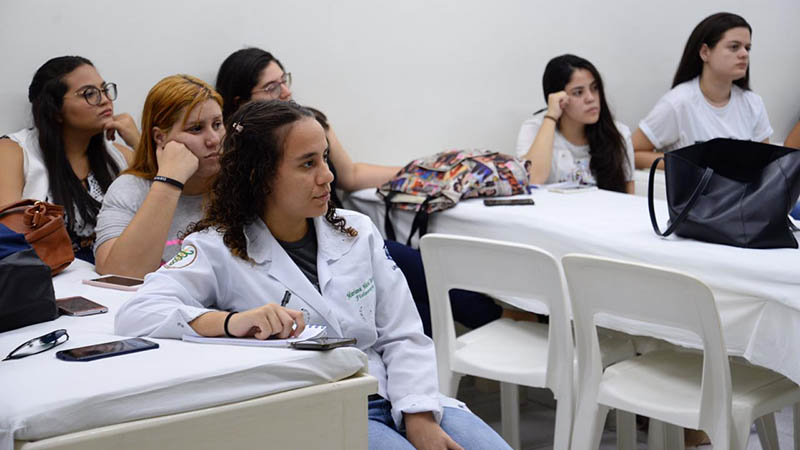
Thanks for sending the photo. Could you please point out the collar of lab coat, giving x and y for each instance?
(262, 247)
(331, 243)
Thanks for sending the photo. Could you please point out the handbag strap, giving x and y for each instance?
(387, 221)
(701, 186)
(420, 222)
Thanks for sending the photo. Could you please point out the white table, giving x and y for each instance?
(757, 291)
(181, 395)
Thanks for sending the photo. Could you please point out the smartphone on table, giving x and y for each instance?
(79, 306)
(106, 350)
(507, 201)
(325, 343)
(116, 282)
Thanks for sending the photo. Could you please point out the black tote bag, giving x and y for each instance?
(731, 192)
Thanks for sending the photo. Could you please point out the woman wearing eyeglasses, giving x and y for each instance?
(163, 191)
(66, 157)
(255, 74)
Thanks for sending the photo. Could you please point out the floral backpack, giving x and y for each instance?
(438, 182)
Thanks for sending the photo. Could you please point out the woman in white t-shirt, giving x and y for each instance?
(710, 96)
(577, 139)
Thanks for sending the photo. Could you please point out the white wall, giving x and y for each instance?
(404, 78)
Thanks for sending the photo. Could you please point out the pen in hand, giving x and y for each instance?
(286, 296)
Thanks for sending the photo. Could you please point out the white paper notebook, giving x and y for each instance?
(311, 332)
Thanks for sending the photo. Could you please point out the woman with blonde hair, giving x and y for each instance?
(163, 191)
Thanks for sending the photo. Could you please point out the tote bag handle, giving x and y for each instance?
(701, 186)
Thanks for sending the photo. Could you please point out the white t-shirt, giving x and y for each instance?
(684, 117)
(570, 162)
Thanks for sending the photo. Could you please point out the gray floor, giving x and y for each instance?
(537, 412)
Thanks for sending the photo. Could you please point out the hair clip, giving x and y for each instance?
(238, 127)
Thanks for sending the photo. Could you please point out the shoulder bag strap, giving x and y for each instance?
(701, 186)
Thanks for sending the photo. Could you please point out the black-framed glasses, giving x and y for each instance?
(94, 95)
(39, 344)
(274, 89)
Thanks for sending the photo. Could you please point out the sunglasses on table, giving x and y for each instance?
(39, 344)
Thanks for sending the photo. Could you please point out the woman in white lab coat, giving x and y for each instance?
(272, 254)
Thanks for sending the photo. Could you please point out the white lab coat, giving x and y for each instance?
(364, 295)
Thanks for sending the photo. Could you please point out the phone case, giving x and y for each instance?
(508, 201)
(87, 308)
(64, 355)
(100, 283)
(315, 344)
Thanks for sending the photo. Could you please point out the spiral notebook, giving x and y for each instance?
(311, 332)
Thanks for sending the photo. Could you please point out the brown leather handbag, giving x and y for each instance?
(43, 226)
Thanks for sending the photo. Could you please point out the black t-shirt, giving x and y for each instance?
(304, 254)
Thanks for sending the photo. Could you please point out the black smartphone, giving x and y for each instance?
(106, 350)
(79, 306)
(325, 343)
(507, 201)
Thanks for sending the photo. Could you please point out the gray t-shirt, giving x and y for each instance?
(124, 198)
(304, 254)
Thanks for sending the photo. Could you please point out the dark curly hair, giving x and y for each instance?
(251, 153)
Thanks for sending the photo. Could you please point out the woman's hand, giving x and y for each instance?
(265, 321)
(425, 434)
(123, 125)
(176, 161)
(556, 102)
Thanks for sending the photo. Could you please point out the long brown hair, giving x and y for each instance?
(163, 107)
(251, 153)
(609, 157)
(709, 32)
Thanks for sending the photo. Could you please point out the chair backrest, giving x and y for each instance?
(654, 295)
(499, 269)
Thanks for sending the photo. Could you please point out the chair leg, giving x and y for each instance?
(448, 383)
(563, 430)
(767, 432)
(588, 427)
(664, 436)
(626, 430)
(796, 421)
(674, 437)
(509, 414)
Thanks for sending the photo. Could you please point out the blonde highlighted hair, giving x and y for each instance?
(170, 98)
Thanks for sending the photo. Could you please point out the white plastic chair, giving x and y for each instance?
(512, 352)
(685, 388)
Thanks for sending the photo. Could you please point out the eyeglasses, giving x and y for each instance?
(39, 344)
(93, 95)
(274, 89)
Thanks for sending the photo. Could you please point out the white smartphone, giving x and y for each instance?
(116, 282)
(572, 189)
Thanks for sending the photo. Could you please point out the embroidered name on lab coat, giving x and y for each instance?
(362, 291)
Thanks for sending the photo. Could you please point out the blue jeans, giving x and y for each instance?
(796, 212)
(467, 429)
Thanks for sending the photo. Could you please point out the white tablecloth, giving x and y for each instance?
(41, 396)
(757, 291)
